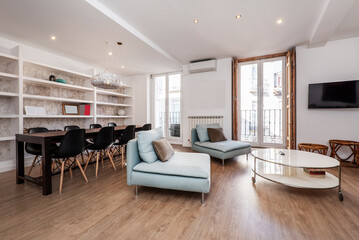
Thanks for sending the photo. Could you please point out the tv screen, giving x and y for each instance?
(334, 95)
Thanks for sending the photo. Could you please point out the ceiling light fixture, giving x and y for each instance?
(106, 79)
(53, 37)
(279, 21)
(122, 67)
(238, 16)
(110, 53)
(195, 20)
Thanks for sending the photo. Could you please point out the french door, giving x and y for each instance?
(167, 105)
(261, 91)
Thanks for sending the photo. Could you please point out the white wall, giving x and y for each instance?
(208, 93)
(337, 61)
(141, 99)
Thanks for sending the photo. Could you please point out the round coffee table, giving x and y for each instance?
(288, 169)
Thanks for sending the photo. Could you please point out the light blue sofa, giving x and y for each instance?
(221, 150)
(184, 171)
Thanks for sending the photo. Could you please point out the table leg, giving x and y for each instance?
(340, 194)
(254, 170)
(20, 164)
(46, 167)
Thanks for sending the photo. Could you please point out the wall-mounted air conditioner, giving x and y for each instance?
(202, 66)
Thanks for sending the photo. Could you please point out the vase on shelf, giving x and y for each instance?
(121, 112)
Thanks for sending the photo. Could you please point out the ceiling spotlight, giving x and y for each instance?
(53, 37)
(110, 53)
(119, 43)
(238, 16)
(279, 21)
(195, 20)
(122, 67)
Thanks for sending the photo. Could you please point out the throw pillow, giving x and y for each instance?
(145, 147)
(163, 149)
(216, 135)
(202, 131)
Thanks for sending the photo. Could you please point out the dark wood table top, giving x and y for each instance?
(58, 134)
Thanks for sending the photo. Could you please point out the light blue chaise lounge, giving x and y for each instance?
(183, 171)
(221, 150)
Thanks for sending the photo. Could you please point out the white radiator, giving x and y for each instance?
(194, 120)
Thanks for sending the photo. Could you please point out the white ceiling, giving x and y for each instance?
(159, 35)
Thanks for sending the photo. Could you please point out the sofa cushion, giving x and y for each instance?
(216, 134)
(163, 149)
(224, 146)
(202, 131)
(145, 147)
(196, 165)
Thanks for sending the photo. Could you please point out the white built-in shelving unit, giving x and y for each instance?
(24, 82)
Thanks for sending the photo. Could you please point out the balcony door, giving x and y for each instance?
(167, 105)
(262, 102)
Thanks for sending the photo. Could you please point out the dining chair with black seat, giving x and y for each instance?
(146, 127)
(71, 127)
(95, 125)
(127, 135)
(71, 146)
(100, 147)
(112, 124)
(35, 149)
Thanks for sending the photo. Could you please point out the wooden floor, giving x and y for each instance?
(106, 208)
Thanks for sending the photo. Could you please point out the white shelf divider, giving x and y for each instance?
(9, 94)
(113, 116)
(103, 92)
(9, 116)
(55, 99)
(55, 84)
(58, 116)
(8, 75)
(9, 138)
(114, 104)
(5, 55)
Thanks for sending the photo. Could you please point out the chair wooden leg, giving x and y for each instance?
(88, 160)
(122, 148)
(82, 158)
(98, 155)
(102, 156)
(82, 171)
(62, 175)
(113, 164)
(32, 165)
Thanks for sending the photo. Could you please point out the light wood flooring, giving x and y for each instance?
(106, 208)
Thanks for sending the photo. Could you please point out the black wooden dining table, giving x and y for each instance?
(46, 139)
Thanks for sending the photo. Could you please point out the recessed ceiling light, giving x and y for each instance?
(122, 67)
(238, 16)
(279, 21)
(195, 20)
(53, 37)
(110, 53)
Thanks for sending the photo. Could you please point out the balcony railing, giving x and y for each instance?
(174, 123)
(272, 125)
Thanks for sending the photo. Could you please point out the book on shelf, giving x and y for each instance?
(85, 109)
(313, 171)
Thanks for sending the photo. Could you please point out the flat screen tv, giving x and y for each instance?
(334, 95)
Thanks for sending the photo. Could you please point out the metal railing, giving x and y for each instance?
(272, 125)
(174, 124)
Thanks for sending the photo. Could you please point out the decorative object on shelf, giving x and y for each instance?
(30, 110)
(106, 79)
(335, 145)
(121, 112)
(59, 80)
(52, 78)
(85, 109)
(70, 109)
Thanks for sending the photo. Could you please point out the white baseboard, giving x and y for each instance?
(10, 165)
